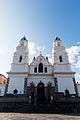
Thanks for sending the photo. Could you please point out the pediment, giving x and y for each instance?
(40, 59)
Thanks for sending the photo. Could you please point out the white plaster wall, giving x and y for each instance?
(19, 68)
(62, 67)
(78, 86)
(66, 83)
(18, 54)
(16, 82)
(32, 69)
(37, 79)
(60, 52)
(2, 89)
(49, 69)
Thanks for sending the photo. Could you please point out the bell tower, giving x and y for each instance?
(60, 57)
(62, 69)
(19, 68)
(20, 58)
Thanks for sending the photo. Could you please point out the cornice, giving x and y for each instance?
(64, 72)
(17, 72)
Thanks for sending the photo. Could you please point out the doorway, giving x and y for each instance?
(40, 93)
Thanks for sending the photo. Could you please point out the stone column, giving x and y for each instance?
(25, 86)
(35, 95)
(56, 84)
(75, 87)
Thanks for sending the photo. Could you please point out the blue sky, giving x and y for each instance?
(41, 21)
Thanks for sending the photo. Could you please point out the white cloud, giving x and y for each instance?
(31, 46)
(2, 52)
(34, 49)
(74, 58)
(74, 55)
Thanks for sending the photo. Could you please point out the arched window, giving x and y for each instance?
(35, 70)
(45, 69)
(60, 59)
(40, 68)
(20, 58)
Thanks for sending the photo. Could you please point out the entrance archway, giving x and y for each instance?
(40, 93)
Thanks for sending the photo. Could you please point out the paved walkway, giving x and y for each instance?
(19, 116)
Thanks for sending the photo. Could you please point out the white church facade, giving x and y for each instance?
(40, 77)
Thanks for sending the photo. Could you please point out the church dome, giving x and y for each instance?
(23, 39)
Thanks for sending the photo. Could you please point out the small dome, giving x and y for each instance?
(57, 39)
(23, 38)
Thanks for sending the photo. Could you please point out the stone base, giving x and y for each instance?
(20, 104)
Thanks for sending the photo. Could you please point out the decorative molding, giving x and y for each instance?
(17, 73)
(40, 74)
(64, 72)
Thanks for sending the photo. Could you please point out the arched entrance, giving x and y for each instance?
(40, 93)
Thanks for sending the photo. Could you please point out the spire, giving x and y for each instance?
(24, 38)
